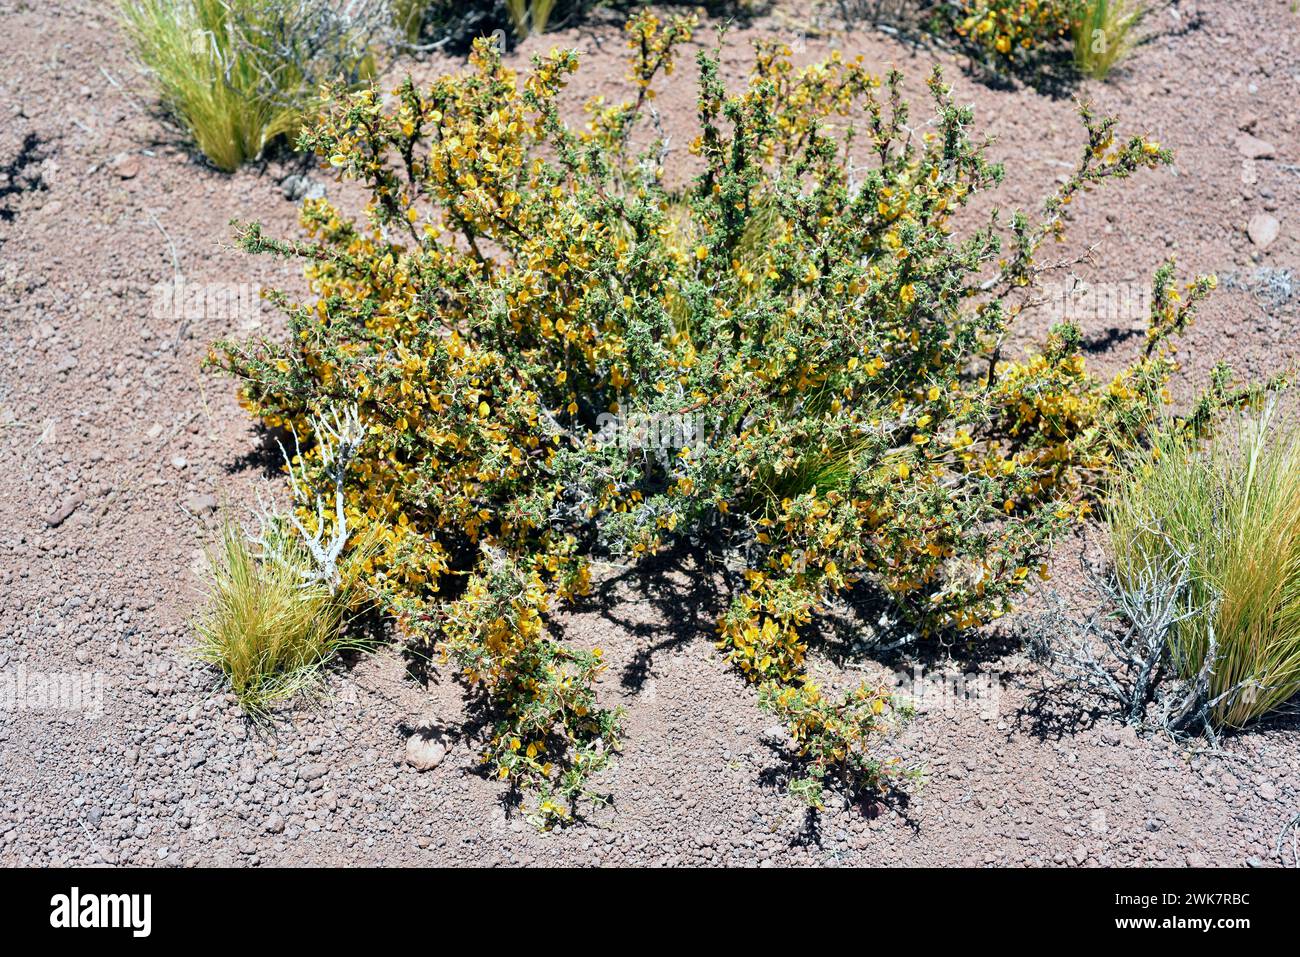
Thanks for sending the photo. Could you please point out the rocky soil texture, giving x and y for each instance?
(118, 451)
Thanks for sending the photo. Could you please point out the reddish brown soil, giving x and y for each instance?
(107, 423)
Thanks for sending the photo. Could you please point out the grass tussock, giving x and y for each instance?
(408, 18)
(1104, 32)
(268, 630)
(237, 74)
(1231, 510)
(529, 16)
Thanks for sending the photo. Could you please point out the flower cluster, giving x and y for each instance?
(517, 283)
(1010, 33)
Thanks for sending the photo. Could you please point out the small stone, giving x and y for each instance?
(201, 504)
(1252, 147)
(275, 824)
(64, 511)
(179, 461)
(311, 772)
(127, 168)
(1266, 792)
(66, 364)
(424, 753)
(1262, 229)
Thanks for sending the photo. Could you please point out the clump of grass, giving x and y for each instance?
(1232, 509)
(268, 629)
(237, 74)
(529, 16)
(1104, 33)
(408, 18)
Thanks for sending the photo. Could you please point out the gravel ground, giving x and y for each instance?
(117, 452)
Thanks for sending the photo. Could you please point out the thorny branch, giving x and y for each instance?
(1123, 656)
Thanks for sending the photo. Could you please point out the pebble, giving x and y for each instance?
(1252, 147)
(61, 514)
(126, 167)
(201, 504)
(1262, 229)
(424, 753)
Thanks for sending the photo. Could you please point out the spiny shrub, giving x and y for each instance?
(1230, 512)
(237, 74)
(457, 22)
(1009, 34)
(794, 357)
(1019, 36)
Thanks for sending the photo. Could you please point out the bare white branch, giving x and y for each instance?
(338, 436)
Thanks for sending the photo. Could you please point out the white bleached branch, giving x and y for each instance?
(338, 435)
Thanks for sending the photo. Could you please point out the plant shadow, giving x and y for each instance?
(1101, 342)
(864, 624)
(264, 456)
(22, 174)
(867, 803)
(685, 589)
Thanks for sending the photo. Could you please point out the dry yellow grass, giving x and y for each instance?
(1104, 33)
(267, 630)
(237, 74)
(1233, 509)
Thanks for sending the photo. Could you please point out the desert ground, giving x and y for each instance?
(119, 452)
